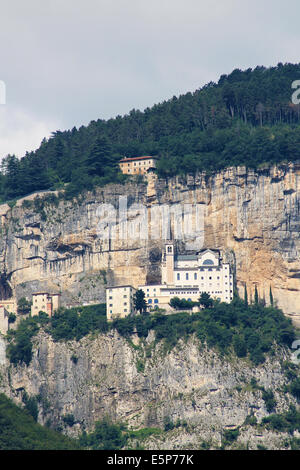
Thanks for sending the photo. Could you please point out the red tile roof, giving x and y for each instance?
(136, 158)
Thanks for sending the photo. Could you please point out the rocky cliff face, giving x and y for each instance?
(252, 217)
(140, 384)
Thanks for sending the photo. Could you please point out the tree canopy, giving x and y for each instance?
(247, 118)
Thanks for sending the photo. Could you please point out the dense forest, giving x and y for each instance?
(248, 118)
(20, 431)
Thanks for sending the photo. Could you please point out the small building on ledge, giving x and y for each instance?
(10, 305)
(119, 302)
(45, 302)
(137, 165)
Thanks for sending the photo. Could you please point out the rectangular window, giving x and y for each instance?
(178, 276)
(187, 276)
(195, 275)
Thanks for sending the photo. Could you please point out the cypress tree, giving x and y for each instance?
(271, 297)
(255, 295)
(245, 294)
(139, 301)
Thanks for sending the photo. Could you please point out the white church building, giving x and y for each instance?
(184, 276)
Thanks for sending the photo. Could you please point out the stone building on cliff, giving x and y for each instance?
(185, 276)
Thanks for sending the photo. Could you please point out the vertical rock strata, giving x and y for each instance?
(251, 216)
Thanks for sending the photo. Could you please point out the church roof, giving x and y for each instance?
(210, 250)
(186, 258)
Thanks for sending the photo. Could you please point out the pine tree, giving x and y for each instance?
(100, 156)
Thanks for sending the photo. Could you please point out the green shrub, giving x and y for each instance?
(229, 436)
(284, 422)
(69, 419)
(251, 420)
(295, 388)
(106, 436)
(270, 402)
(168, 424)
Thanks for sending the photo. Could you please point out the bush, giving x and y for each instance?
(295, 388)
(106, 436)
(69, 419)
(20, 348)
(251, 420)
(230, 435)
(168, 424)
(31, 405)
(284, 422)
(270, 402)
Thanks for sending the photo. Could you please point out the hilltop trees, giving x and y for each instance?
(247, 118)
(99, 157)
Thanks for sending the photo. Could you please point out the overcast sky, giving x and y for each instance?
(67, 62)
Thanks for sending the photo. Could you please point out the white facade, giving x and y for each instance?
(203, 271)
(119, 301)
(183, 276)
(187, 276)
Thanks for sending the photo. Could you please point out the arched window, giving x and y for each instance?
(156, 301)
(208, 261)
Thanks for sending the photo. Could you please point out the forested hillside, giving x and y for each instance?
(20, 431)
(246, 118)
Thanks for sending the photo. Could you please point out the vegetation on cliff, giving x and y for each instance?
(246, 330)
(250, 332)
(19, 431)
(247, 118)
